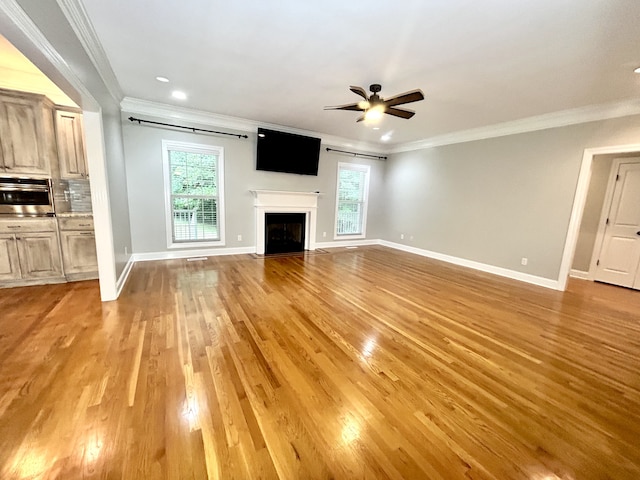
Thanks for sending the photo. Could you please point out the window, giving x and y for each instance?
(193, 194)
(351, 200)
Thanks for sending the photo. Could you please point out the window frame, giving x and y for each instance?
(168, 145)
(365, 201)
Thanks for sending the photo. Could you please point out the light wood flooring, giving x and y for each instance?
(365, 363)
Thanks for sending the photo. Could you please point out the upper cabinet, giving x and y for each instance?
(70, 139)
(26, 134)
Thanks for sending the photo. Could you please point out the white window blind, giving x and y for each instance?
(194, 193)
(351, 203)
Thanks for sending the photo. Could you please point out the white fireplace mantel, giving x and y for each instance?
(277, 201)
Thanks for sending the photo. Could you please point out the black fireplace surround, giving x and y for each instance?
(284, 232)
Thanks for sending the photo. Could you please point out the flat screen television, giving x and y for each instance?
(287, 152)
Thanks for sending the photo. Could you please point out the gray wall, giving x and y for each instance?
(495, 201)
(143, 153)
(592, 210)
(118, 193)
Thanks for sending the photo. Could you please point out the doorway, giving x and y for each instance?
(580, 206)
(616, 254)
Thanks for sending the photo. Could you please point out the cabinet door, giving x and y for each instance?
(23, 136)
(9, 260)
(70, 145)
(39, 255)
(79, 252)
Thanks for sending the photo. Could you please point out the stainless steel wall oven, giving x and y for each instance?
(26, 197)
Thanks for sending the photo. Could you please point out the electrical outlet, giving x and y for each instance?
(324, 234)
(239, 238)
(402, 236)
(524, 260)
(126, 250)
(411, 237)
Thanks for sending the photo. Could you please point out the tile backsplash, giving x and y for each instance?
(72, 196)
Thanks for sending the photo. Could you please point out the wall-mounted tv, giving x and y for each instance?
(287, 152)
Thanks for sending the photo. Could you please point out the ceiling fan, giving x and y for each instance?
(374, 106)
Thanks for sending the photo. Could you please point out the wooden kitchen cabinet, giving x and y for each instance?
(9, 259)
(39, 255)
(26, 134)
(29, 251)
(70, 141)
(78, 247)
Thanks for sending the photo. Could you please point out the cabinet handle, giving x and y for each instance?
(86, 233)
(84, 224)
(14, 226)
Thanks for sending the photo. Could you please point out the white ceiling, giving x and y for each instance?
(479, 63)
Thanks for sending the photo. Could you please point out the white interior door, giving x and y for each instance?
(619, 258)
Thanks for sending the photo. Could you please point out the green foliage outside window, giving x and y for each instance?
(194, 193)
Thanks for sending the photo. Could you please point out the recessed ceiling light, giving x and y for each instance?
(179, 95)
(386, 137)
(162, 79)
(637, 70)
(376, 128)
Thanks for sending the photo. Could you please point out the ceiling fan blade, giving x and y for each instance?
(399, 112)
(350, 106)
(413, 96)
(359, 91)
(361, 118)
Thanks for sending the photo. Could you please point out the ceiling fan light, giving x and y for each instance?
(374, 113)
(363, 104)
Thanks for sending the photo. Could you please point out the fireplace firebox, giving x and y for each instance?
(284, 232)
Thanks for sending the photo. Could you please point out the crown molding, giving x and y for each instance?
(77, 17)
(23, 22)
(561, 118)
(530, 124)
(201, 117)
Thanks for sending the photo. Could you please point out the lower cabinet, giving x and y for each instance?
(78, 247)
(79, 252)
(47, 250)
(29, 251)
(39, 255)
(9, 259)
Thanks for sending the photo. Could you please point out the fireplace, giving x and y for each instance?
(282, 202)
(284, 232)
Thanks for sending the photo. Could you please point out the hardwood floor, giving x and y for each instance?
(356, 364)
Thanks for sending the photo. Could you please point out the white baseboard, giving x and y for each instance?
(202, 252)
(483, 267)
(122, 280)
(579, 274)
(347, 243)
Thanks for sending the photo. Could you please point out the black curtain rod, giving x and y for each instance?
(355, 154)
(193, 129)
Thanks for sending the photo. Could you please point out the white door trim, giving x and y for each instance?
(579, 200)
(606, 206)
